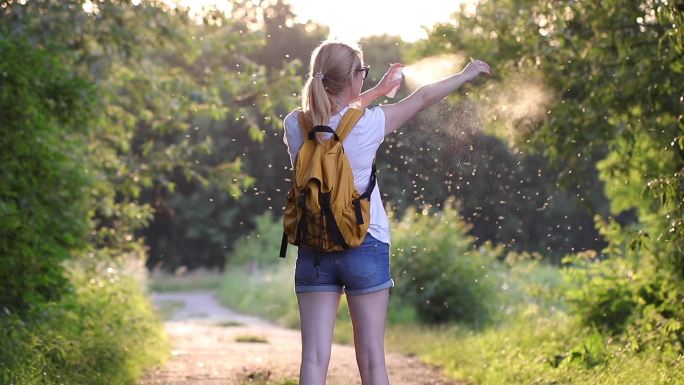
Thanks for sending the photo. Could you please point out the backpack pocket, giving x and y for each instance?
(348, 220)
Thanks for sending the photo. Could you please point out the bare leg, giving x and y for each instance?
(317, 311)
(368, 314)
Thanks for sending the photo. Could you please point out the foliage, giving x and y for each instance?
(615, 71)
(530, 280)
(533, 348)
(427, 162)
(642, 308)
(198, 221)
(194, 141)
(446, 151)
(438, 269)
(261, 246)
(602, 294)
(133, 114)
(80, 192)
(42, 206)
(178, 103)
(256, 280)
(104, 332)
(267, 293)
(197, 225)
(91, 44)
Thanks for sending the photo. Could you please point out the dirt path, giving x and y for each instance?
(205, 350)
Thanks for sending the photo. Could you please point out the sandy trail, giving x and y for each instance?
(205, 352)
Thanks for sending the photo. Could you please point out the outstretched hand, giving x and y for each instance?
(476, 67)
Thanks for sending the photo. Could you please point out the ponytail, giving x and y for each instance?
(330, 71)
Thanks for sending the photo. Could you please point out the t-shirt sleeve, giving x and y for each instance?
(292, 136)
(376, 118)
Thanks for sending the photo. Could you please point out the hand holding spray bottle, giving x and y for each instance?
(396, 76)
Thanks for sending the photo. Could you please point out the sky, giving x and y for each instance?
(353, 19)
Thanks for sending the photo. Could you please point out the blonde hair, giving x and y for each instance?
(337, 61)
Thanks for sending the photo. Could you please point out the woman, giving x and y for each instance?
(336, 76)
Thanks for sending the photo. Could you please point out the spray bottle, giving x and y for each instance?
(397, 75)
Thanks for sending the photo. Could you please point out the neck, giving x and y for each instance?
(339, 105)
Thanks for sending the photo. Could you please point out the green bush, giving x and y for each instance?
(531, 279)
(104, 333)
(603, 290)
(43, 208)
(61, 323)
(262, 245)
(626, 296)
(437, 269)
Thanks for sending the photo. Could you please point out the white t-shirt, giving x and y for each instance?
(360, 147)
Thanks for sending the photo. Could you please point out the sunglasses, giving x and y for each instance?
(365, 70)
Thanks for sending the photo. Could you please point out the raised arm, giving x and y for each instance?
(426, 95)
(365, 99)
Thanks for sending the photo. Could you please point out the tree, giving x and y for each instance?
(43, 211)
(509, 196)
(617, 72)
(199, 224)
(167, 97)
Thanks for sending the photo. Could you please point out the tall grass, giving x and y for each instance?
(534, 348)
(266, 292)
(104, 333)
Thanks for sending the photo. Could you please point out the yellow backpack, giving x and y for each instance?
(323, 210)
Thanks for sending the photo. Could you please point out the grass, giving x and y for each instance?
(229, 323)
(198, 279)
(104, 333)
(263, 377)
(260, 376)
(534, 349)
(268, 293)
(250, 338)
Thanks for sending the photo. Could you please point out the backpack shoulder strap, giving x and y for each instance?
(303, 125)
(349, 120)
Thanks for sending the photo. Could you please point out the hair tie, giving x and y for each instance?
(319, 75)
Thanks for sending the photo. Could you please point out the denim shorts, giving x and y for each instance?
(358, 270)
